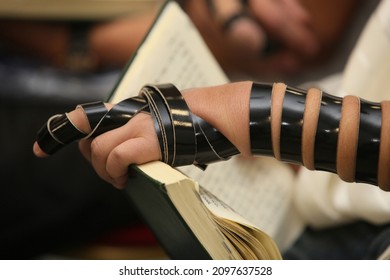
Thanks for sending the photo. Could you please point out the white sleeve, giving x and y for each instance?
(324, 200)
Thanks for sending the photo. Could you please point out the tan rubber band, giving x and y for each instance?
(278, 92)
(384, 149)
(348, 138)
(310, 121)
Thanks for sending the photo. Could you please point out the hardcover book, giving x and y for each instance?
(189, 210)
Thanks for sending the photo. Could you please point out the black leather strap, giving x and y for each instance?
(367, 156)
(187, 139)
(118, 115)
(291, 125)
(56, 133)
(325, 152)
(191, 133)
(94, 112)
(260, 119)
(162, 122)
(184, 138)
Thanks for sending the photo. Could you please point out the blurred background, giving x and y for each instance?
(57, 54)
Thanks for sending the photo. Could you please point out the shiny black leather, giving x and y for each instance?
(291, 125)
(325, 152)
(58, 132)
(260, 119)
(119, 115)
(181, 120)
(367, 156)
(184, 138)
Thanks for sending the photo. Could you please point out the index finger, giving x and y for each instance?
(61, 130)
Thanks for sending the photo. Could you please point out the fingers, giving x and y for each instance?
(287, 21)
(247, 36)
(240, 29)
(77, 118)
(264, 36)
(137, 151)
(38, 152)
(112, 152)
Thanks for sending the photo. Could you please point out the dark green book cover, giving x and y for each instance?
(154, 205)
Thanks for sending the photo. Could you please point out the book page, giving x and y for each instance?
(258, 189)
(261, 244)
(185, 197)
(220, 208)
(173, 52)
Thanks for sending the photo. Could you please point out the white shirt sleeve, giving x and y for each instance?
(322, 198)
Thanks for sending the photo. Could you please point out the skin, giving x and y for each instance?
(49, 42)
(136, 142)
(226, 107)
(246, 37)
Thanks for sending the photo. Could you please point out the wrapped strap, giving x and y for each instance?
(184, 137)
(347, 136)
(58, 132)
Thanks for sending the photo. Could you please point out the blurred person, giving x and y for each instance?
(271, 39)
(255, 37)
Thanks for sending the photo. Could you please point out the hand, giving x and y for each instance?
(111, 153)
(240, 47)
(288, 22)
(136, 142)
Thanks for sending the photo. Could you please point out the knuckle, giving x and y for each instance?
(97, 148)
(116, 156)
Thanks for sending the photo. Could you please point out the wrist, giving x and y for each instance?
(225, 107)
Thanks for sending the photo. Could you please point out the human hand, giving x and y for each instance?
(287, 22)
(133, 138)
(243, 37)
(111, 153)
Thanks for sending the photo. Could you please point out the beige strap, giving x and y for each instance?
(278, 92)
(384, 149)
(348, 138)
(310, 120)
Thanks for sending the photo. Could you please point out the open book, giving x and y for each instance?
(190, 222)
(259, 190)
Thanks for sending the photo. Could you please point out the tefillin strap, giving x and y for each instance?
(347, 136)
(184, 137)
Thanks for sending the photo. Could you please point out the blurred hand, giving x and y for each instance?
(264, 36)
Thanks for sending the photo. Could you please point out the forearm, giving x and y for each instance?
(347, 136)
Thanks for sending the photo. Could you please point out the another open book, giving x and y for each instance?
(188, 219)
